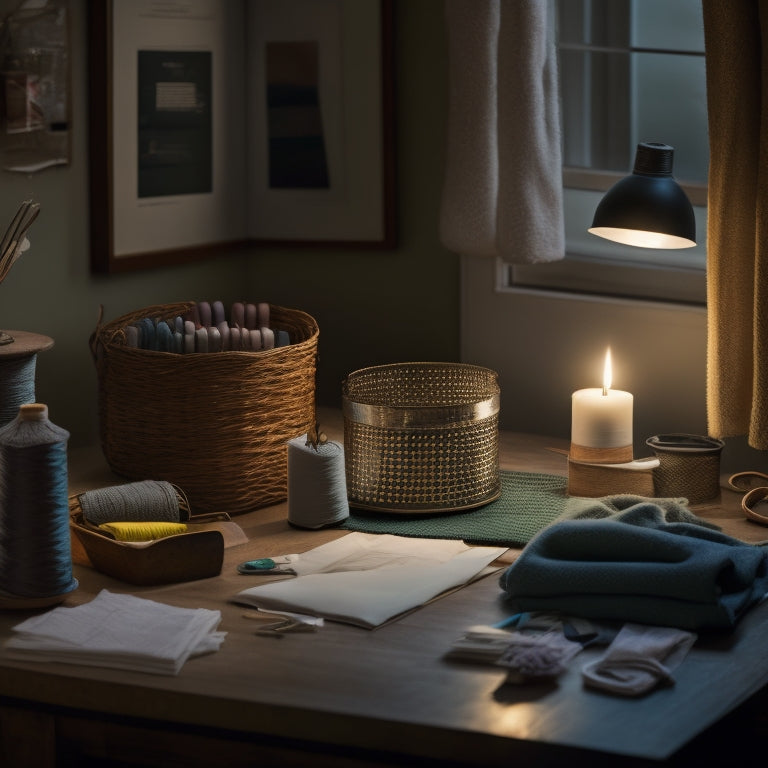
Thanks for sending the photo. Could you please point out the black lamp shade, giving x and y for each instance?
(648, 208)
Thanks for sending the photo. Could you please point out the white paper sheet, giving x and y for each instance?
(368, 579)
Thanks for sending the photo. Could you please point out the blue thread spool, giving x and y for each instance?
(18, 359)
(35, 552)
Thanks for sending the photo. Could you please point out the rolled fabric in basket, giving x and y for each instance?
(317, 490)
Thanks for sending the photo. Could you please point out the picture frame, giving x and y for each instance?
(205, 140)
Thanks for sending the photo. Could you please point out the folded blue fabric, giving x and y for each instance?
(636, 567)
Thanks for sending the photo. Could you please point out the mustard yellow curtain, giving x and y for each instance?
(736, 40)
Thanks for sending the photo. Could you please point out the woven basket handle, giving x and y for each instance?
(93, 340)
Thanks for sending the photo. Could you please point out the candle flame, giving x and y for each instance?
(607, 372)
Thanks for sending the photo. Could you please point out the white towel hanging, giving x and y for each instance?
(502, 194)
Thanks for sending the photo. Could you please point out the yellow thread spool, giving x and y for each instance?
(131, 531)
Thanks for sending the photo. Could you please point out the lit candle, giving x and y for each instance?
(601, 422)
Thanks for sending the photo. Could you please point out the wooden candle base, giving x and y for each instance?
(617, 455)
(593, 480)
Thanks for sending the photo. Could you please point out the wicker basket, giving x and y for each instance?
(215, 424)
(421, 438)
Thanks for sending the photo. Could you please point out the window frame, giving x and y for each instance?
(592, 271)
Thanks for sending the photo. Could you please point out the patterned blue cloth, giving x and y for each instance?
(635, 566)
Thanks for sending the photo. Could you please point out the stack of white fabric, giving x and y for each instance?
(120, 631)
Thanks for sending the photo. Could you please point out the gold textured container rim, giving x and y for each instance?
(684, 443)
(358, 407)
(388, 417)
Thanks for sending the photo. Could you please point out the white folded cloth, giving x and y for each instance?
(367, 579)
(639, 658)
(120, 631)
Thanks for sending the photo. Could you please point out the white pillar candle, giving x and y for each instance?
(602, 418)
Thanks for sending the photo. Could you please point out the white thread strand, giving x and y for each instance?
(143, 501)
(317, 490)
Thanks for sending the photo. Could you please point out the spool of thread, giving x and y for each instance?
(141, 502)
(317, 489)
(142, 531)
(18, 360)
(35, 554)
(17, 385)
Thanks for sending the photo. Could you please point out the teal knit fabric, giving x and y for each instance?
(528, 502)
(635, 566)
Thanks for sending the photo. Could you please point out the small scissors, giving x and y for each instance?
(754, 486)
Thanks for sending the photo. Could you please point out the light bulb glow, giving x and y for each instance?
(641, 238)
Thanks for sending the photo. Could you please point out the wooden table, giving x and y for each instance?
(345, 696)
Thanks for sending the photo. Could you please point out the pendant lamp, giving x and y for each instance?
(647, 209)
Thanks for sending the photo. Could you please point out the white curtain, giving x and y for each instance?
(502, 194)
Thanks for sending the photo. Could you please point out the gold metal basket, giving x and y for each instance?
(421, 438)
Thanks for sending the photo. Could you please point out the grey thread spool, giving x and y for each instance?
(143, 501)
(35, 553)
(317, 490)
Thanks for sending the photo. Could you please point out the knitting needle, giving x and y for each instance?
(30, 214)
(28, 211)
(12, 227)
(11, 252)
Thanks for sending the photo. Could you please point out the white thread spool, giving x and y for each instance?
(317, 488)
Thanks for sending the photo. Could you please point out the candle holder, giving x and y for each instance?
(689, 466)
(591, 480)
(587, 455)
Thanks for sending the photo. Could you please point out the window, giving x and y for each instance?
(630, 71)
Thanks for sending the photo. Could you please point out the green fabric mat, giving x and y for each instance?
(528, 503)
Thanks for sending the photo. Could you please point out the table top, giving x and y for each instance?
(392, 688)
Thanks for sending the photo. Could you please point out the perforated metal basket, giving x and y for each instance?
(421, 438)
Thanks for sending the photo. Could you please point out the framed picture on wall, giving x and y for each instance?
(217, 125)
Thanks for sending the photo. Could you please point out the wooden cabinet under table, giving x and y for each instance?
(344, 696)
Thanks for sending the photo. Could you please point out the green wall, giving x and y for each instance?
(372, 306)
